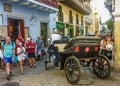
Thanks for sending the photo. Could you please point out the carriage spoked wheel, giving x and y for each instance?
(72, 70)
(101, 67)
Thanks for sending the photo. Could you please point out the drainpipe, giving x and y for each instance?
(84, 26)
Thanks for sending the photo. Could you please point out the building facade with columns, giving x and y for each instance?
(70, 16)
(27, 17)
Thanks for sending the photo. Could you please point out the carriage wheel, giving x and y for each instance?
(101, 67)
(72, 69)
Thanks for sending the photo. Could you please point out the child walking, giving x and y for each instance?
(21, 56)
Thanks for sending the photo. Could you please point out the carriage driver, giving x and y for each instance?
(53, 51)
(55, 36)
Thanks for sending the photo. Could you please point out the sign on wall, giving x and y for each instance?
(3, 30)
(7, 7)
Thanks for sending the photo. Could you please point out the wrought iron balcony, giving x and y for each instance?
(88, 19)
(49, 6)
(78, 5)
(108, 4)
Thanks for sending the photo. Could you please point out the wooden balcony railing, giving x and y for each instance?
(52, 3)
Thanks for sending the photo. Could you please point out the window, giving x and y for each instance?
(113, 2)
(77, 20)
(70, 17)
(70, 13)
(60, 9)
(113, 10)
(82, 20)
(60, 14)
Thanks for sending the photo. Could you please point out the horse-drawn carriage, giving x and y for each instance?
(81, 52)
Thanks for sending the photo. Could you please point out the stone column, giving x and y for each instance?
(117, 43)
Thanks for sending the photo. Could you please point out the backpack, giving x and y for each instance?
(5, 43)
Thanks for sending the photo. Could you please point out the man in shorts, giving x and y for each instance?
(30, 46)
(8, 48)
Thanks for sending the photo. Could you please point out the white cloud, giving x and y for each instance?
(101, 10)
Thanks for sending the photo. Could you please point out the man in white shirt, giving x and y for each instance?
(55, 36)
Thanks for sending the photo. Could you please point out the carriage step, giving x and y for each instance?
(85, 68)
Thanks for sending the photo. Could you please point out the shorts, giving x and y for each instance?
(31, 55)
(21, 58)
(8, 60)
(38, 51)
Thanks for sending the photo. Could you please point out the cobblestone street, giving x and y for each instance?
(55, 77)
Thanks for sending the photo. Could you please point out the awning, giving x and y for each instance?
(70, 27)
(60, 25)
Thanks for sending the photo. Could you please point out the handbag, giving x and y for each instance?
(15, 59)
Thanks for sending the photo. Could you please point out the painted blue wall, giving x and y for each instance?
(34, 25)
(52, 24)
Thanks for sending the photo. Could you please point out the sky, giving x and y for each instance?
(100, 9)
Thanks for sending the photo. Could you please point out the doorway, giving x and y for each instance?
(44, 33)
(15, 27)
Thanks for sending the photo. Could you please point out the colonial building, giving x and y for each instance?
(28, 17)
(70, 17)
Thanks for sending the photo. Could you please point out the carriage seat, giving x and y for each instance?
(60, 44)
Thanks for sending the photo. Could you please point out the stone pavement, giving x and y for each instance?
(55, 77)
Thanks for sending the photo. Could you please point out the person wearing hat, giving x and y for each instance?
(55, 36)
(30, 46)
(40, 44)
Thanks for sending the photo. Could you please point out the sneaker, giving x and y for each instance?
(8, 77)
(23, 73)
(11, 75)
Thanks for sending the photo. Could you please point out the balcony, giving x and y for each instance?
(77, 5)
(49, 6)
(108, 4)
(52, 3)
(60, 17)
(88, 19)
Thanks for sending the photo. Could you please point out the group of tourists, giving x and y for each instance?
(106, 45)
(19, 51)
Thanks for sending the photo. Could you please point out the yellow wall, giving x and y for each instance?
(117, 45)
(65, 10)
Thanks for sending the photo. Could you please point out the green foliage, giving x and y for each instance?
(109, 24)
